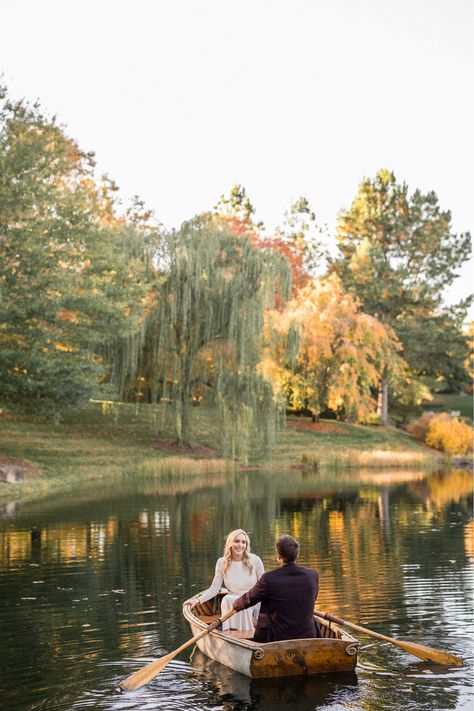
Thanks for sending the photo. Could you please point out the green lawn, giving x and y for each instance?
(352, 445)
(103, 444)
(449, 403)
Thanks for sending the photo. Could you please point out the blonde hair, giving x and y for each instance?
(228, 550)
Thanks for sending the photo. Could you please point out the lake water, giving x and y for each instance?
(91, 586)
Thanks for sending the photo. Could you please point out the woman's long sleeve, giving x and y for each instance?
(215, 585)
(257, 594)
(259, 569)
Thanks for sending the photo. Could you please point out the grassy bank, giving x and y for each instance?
(103, 443)
(344, 445)
(450, 403)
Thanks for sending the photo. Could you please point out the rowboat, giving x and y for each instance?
(334, 651)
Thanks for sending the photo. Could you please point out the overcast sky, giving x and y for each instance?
(180, 99)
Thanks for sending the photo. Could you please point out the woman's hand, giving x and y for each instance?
(192, 602)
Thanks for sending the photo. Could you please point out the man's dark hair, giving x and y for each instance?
(288, 548)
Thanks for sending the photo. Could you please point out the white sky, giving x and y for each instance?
(180, 99)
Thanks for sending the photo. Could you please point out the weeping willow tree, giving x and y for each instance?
(207, 328)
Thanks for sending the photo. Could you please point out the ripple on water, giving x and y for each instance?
(98, 594)
(175, 688)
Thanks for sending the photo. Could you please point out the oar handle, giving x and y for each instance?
(214, 625)
(217, 623)
(356, 628)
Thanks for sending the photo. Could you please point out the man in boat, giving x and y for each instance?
(287, 596)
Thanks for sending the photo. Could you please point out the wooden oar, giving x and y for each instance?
(418, 650)
(146, 673)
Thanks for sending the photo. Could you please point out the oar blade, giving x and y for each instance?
(430, 654)
(145, 674)
(418, 650)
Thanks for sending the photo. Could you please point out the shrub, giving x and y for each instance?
(419, 428)
(449, 434)
(371, 419)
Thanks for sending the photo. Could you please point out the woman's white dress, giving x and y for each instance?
(237, 580)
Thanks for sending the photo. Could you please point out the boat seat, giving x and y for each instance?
(208, 618)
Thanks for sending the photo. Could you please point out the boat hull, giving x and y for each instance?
(337, 652)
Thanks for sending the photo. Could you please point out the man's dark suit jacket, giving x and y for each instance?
(287, 595)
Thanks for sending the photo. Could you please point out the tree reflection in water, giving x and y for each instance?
(99, 576)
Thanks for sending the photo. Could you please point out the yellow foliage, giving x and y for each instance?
(342, 351)
(336, 524)
(451, 486)
(66, 348)
(272, 371)
(449, 434)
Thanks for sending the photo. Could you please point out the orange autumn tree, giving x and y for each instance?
(329, 354)
(297, 239)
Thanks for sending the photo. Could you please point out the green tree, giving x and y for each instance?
(237, 210)
(437, 348)
(300, 229)
(207, 327)
(397, 253)
(70, 270)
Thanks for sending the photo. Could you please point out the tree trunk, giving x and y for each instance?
(382, 402)
(182, 405)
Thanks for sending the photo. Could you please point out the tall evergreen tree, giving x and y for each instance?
(397, 252)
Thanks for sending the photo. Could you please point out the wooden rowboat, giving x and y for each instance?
(335, 651)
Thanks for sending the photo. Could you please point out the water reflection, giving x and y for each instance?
(297, 694)
(9, 509)
(98, 578)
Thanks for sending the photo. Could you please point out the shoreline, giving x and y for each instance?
(98, 446)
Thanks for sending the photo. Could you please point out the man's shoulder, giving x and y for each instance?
(269, 575)
(309, 571)
(292, 569)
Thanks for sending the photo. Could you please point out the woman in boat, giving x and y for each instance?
(238, 570)
(287, 595)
